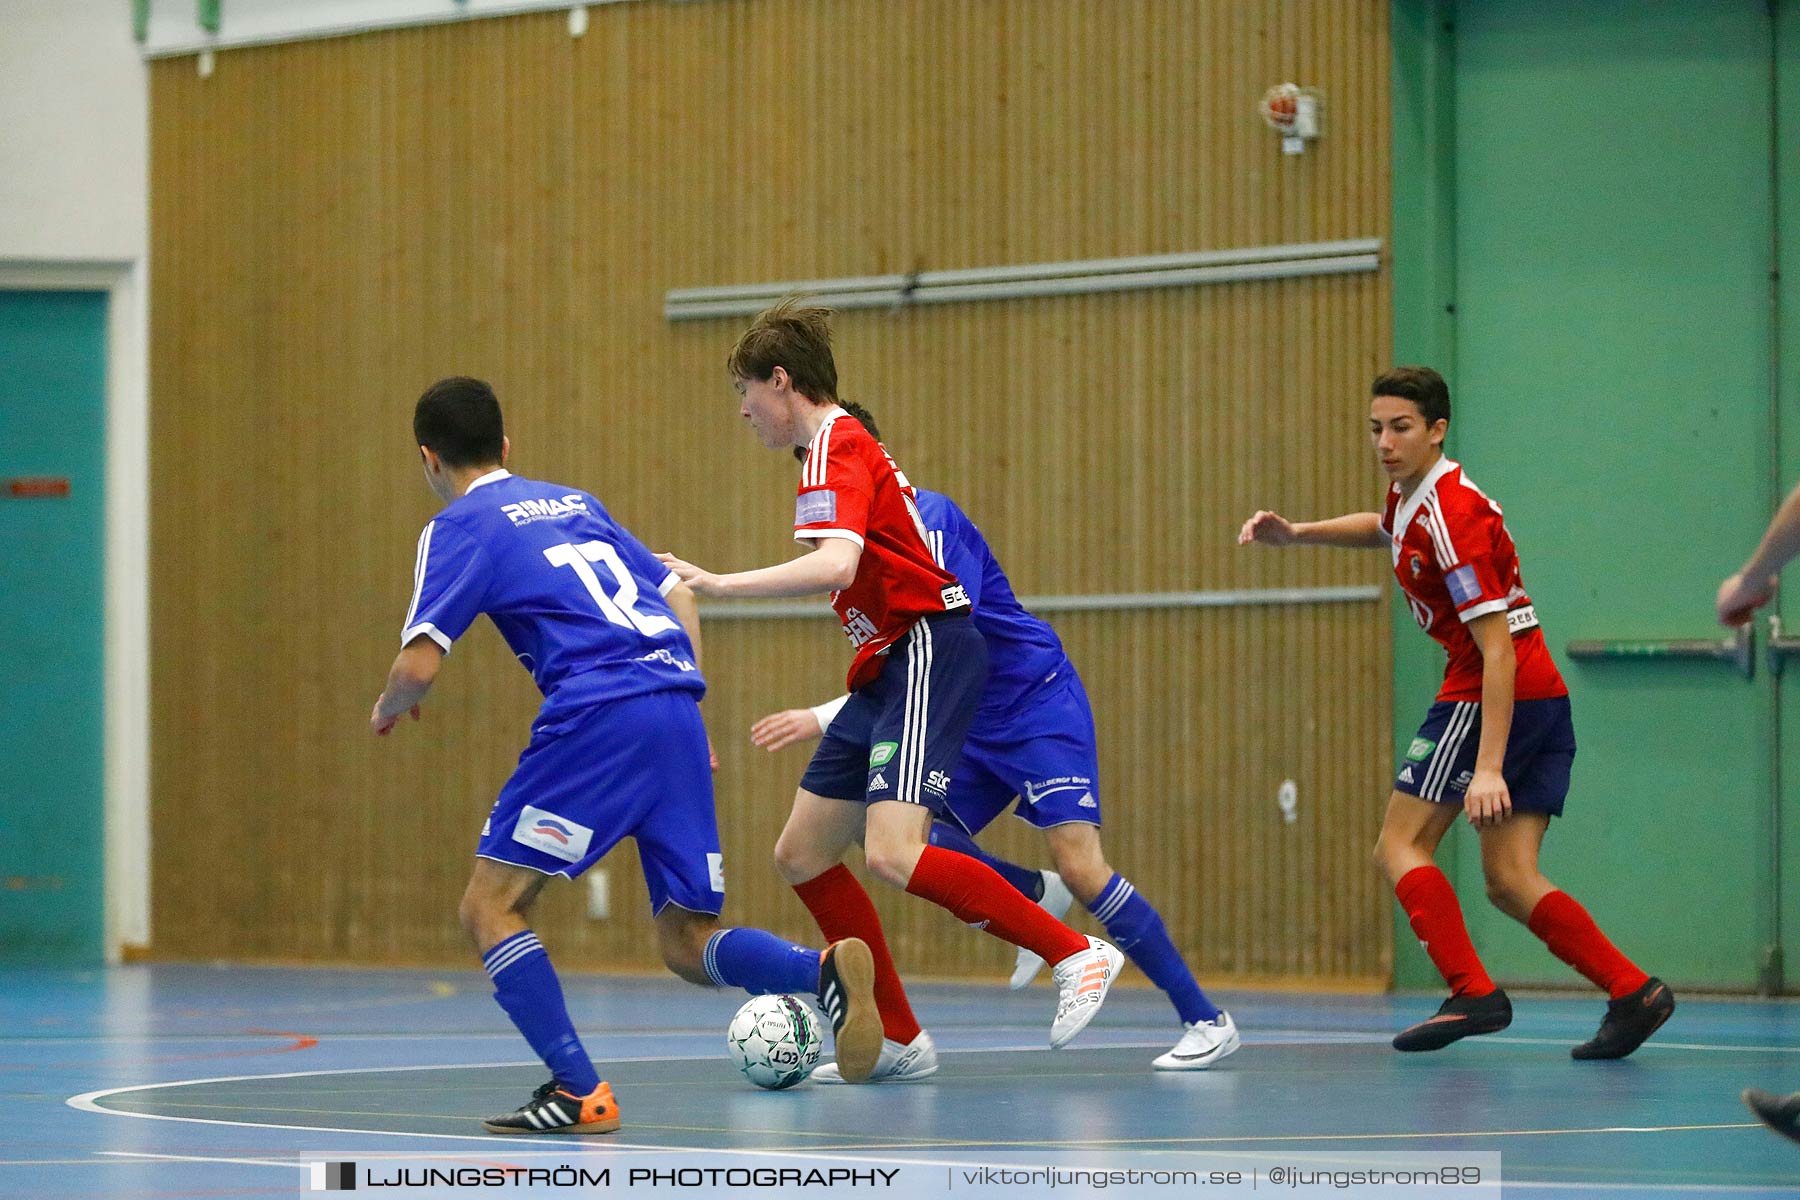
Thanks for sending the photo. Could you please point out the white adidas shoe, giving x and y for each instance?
(898, 1064)
(1056, 900)
(1082, 981)
(1202, 1044)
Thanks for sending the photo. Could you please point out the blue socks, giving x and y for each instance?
(1024, 879)
(1137, 929)
(761, 963)
(525, 986)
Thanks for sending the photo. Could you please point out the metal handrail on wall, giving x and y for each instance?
(1079, 277)
(770, 610)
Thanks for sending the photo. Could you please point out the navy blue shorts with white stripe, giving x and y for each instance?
(1540, 749)
(900, 737)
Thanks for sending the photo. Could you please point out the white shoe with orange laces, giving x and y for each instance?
(1082, 981)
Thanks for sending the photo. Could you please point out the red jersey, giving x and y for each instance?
(850, 488)
(1455, 561)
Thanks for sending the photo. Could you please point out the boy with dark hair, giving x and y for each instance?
(1498, 744)
(1033, 741)
(618, 748)
(886, 765)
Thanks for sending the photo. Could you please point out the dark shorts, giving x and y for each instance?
(900, 737)
(1045, 755)
(637, 767)
(1540, 749)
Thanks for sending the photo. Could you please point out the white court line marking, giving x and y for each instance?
(244, 1162)
(607, 1149)
(88, 1102)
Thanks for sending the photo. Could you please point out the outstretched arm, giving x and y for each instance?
(1354, 530)
(1754, 584)
(829, 568)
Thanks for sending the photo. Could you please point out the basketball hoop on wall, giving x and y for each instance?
(1294, 112)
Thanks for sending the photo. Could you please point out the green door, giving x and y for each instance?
(1612, 255)
(52, 457)
(1785, 757)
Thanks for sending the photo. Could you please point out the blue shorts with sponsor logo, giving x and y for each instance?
(1540, 749)
(900, 736)
(1044, 754)
(636, 767)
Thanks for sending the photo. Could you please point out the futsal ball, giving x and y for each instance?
(774, 1040)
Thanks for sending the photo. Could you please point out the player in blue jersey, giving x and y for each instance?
(1032, 740)
(618, 749)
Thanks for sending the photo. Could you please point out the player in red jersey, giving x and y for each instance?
(884, 768)
(1498, 743)
(1751, 587)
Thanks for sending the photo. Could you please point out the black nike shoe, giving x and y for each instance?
(1629, 1020)
(1780, 1113)
(1458, 1018)
(847, 994)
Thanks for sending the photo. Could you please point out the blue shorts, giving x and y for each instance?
(901, 735)
(637, 767)
(1045, 755)
(1540, 748)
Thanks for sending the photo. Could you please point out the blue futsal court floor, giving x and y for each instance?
(168, 1081)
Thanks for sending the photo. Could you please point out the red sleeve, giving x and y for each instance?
(1462, 540)
(836, 491)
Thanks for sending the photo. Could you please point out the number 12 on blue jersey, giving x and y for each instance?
(621, 607)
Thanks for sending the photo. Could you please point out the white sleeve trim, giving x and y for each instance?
(828, 711)
(419, 558)
(802, 535)
(669, 583)
(1482, 610)
(429, 630)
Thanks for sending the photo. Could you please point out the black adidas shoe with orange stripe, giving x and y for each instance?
(847, 994)
(1629, 1020)
(1459, 1017)
(555, 1109)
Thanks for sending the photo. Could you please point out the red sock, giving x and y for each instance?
(1572, 936)
(976, 895)
(842, 909)
(1437, 921)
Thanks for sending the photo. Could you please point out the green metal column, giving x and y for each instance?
(1424, 266)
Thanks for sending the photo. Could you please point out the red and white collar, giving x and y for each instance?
(1410, 505)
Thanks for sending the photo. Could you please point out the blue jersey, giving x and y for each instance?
(579, 600)
(1024, 653)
